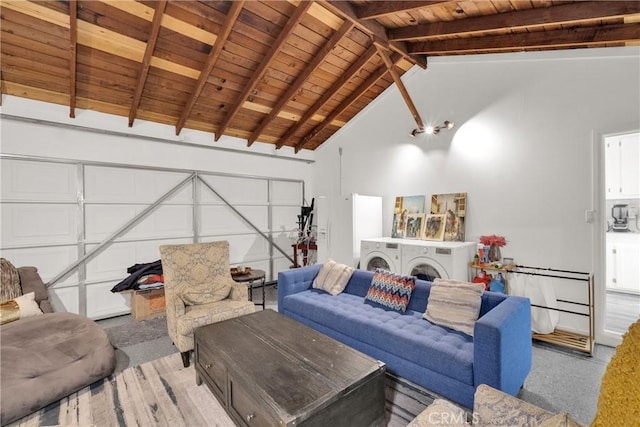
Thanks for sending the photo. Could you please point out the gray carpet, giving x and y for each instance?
(131, 333)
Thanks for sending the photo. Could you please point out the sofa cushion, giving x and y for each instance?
(405, 335)
(20, 308)
(333, 277)
(390, 290)
(45, 358)
(454, 304)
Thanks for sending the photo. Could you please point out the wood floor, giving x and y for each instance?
(623, 309)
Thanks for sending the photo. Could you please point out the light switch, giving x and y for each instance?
(589, 215)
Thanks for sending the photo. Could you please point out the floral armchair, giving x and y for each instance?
(199, 290)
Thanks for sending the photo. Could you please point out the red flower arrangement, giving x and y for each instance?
(493, 240)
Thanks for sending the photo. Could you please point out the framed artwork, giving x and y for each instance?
(454, 206)
(399, 225)
(434, 227)
(415, 226)
(405, 206)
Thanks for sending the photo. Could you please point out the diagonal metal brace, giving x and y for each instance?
(237, 212)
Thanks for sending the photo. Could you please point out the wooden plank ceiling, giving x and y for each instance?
(289, 73)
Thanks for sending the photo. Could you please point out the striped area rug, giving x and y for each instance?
(164, 393)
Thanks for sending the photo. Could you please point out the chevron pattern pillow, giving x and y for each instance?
(390, 290)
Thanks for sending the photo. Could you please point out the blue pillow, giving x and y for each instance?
(390, 290)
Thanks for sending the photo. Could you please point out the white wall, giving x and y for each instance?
(522, 147)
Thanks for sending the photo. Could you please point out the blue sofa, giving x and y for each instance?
(440, 359)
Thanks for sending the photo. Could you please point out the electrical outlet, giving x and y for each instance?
(632, 212)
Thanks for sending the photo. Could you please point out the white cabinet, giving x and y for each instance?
(623, 269)
(622, 162)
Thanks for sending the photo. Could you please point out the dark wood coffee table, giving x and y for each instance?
(269, 370)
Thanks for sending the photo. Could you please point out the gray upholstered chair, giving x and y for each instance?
(199, 290)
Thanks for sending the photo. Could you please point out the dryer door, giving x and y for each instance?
(428, 270)
(377, 261)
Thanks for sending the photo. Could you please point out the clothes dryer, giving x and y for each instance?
(382, 252)
(429, 260)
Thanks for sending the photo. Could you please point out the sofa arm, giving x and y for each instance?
(30, 281)
(502, 348)
(294, 281)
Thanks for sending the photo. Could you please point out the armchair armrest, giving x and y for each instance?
(295, 280)
(239, 291)
(175, 309)
(502, 350)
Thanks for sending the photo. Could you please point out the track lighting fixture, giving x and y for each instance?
(432, 130)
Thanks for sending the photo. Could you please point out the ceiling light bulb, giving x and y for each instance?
(416, 131)
(448, 124)
(430, 130)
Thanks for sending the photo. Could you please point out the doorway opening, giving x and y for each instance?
(621, 231)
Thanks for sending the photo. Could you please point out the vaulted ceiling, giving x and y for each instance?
(289, 73)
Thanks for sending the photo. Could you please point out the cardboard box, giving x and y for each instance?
(147, 303)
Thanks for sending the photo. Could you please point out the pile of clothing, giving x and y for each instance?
(142, 276)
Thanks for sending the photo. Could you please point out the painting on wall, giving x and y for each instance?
(405, 206)
(415, 225)
(434, 227)
(454, 207)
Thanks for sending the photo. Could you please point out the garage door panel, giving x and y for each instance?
(34, 224)
(28, 180)
(219, 220)
(235, 190)
(165, 221)
(105, 184)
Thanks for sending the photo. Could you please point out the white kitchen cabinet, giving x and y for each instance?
(622, 162)
(623, 269)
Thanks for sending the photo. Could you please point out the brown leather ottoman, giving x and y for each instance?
(45, 358)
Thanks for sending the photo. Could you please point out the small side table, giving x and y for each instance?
(253, 277)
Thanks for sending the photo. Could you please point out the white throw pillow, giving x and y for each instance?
(19, 308)
(333, 277)
(454, 304)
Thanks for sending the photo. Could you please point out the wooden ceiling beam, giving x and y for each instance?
(318, 59)
(328, 94)
(269, 57)
(146, 60)
(214, 54)
(374, 29)
(353, 97)
(401, 87)
(73, 54)
(582, 36)
(379, 9)
(569, 13)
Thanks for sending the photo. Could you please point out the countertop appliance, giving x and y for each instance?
(620, 214)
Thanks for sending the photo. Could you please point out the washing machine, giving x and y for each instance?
(429, 260)
(382, 252)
